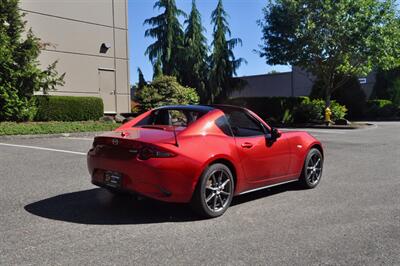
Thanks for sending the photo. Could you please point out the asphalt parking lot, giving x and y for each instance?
(51, 214)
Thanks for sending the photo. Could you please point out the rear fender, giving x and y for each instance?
(230, 162)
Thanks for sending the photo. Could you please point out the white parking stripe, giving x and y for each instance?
(41, 148)
(76, 138)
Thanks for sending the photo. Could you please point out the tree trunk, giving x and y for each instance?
(328, 93)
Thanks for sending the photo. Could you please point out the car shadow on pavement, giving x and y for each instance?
(98, 206)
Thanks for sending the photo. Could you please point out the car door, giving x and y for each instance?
(262, 160)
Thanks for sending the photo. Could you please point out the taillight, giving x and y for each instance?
(148, 152)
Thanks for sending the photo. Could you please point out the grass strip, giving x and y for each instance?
(54, 127)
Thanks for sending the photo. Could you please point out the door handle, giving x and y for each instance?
(247, 145)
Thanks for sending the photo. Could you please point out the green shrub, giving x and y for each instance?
(164, 90)
(338, 111)
(309, 111)
(381, 109)
(68, 108)
(314, 111)
(15, 108)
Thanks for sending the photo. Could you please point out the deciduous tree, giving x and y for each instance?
(330, 38)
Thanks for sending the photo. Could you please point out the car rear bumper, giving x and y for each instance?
(165, 179)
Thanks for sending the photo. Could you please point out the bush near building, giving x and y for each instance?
(164, 90)
(289, 110)
(68, 108)
(314, 111)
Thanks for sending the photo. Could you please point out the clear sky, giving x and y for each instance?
(243, 24)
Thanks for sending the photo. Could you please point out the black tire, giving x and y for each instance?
(214, 191)
(312, 169)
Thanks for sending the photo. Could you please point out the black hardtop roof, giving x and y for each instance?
(196, 108)
(200, 108)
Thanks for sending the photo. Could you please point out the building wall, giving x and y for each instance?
(74, 31)
(265, 85)
(302, 82)
(295, 83)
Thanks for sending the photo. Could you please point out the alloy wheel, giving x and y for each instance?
(314, 169)
(218, 190)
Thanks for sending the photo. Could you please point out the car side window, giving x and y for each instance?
(223, 124)
(243, 125)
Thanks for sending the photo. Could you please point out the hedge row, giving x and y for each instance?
(288, 110)
(382, 109)
(68, 108)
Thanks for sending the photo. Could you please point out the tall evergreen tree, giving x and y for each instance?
(167, 31)
(194, 74)
(157, 68)
(142, 82)
(223, 63)
(20, 73)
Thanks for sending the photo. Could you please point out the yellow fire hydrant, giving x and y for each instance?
(328, 114)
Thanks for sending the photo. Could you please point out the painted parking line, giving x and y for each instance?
(77, 138)
(41, 148)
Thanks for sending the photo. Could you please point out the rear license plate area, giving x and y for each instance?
(113, 179)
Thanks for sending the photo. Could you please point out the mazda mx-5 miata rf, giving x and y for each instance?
(203, 155)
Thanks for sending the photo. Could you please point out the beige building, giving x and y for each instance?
(89, 38)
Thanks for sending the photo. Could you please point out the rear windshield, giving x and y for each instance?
(170, 117)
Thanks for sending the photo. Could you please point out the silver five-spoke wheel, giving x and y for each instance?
(214, 191)
(218, 192)
(312, 171)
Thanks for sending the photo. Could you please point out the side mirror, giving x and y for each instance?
(275, 133)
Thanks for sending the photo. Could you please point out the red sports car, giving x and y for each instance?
(204, 155)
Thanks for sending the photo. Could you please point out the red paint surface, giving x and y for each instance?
(255, 162)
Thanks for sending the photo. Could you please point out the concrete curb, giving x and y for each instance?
(350, 127)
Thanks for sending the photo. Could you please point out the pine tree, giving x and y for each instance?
(194, 73)
(223, 64)
(142, 82)
(20, 74)
(157, 68)
(167, 31)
